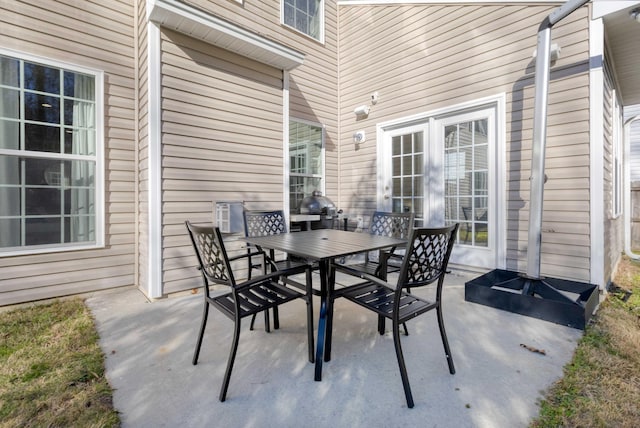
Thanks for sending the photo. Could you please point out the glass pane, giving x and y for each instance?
(480, 157)
(289, 15)
(305, 143)
(407, 141)
(418, 185)
(10, 206)
(397, 186)
(9, 103)
(406, 186)
(41, 138)
(78, 85)
(396, 163)
(481, 183)
(44, 172)
(464, 185)
(465, 135)
(301, 187)
(9, 71)
(9, 135)
(451, 208)
(395, 146)
(42, 201)
(80, 141)
(11, 231)
(480, 136)
(418, 145)
(467, 160)
(418, 203)
(39, 231)
(407, 165)
(79, 114)
(80, 173)
(79, 229)
(41, 108)
(79, 201)
(407, 205)
(450, 136)
(9, 170)
(41, 78)
(418, 164)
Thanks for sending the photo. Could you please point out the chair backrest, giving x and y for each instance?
(264, 223)
(393, 225)
(212, 256)
(427, 256)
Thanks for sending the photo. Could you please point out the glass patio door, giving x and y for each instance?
(467, 142)
(444, 170)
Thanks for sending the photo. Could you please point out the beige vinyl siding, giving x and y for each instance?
(87, 34)
(421, 58)
(313, 85)
(613, 226)
(222, 141)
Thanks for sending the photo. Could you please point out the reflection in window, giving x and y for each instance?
(306, 16)
(466, 180)
(47, 155)
(306, 161)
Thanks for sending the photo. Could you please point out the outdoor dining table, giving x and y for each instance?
(324, 246)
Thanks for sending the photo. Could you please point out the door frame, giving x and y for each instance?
(429, 120)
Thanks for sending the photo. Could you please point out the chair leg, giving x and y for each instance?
(403, 368)
(445, 342)
(276, 318)
(253, 320)
(203, 325)
(232, 357)
(381, 326)
(310, 316)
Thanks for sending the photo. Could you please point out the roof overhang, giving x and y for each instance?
(622, 34)
(201, 25)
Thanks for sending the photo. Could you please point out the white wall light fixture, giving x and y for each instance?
(359, 137)
(554, 52)
(635, 14)
(362, 110)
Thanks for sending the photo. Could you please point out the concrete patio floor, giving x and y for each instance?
(498, 382)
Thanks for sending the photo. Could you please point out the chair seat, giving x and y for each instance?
(380, 299)
(255, 299)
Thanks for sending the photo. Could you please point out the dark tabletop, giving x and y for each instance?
(324, 243)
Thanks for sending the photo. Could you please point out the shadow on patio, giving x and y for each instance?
(498, 382)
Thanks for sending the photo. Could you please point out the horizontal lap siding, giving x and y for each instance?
(222, 141)
(96, 35)
(420, 58)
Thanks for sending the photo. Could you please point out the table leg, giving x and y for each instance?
(322, 321)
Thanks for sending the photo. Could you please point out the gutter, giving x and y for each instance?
(538, 177)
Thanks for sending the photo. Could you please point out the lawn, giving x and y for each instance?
(601, 385)
(52, 368)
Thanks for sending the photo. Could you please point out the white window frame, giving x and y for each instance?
(322, 175)
(98, 158)
(321, 8)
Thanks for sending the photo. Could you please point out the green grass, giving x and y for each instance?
(601, 385)
(52, 368)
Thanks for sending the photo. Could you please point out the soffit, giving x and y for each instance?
(211, 29)
(623, 34)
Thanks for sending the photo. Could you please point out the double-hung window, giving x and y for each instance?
(306, 16)
(50, 163)
(306, 161)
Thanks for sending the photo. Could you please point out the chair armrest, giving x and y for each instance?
(270, 276)
(362, 275)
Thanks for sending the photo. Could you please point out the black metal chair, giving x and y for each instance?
(245, 299)
(265, 223)
(425, 262)
(393, 225)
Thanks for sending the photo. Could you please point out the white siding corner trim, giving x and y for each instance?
(211, 29)
(154, 285)
(596, 197)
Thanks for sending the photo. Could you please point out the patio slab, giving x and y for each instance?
(498, 382)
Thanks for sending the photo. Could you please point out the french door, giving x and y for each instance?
(445, 171)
